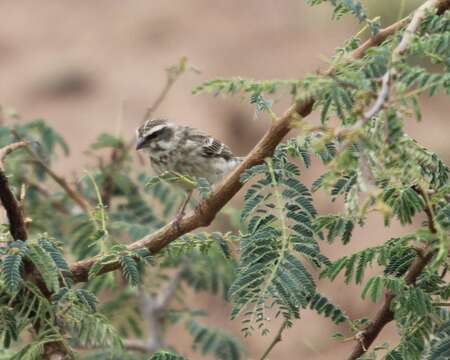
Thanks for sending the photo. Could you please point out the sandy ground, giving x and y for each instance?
(94, 66)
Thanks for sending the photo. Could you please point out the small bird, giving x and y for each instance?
(185, 151)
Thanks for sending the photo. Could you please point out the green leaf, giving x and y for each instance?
(165, 355)
(45, 264)
(129, 269)
(323, 306)
(217, 342)
(11, 268)
(107, 141)
(373, 288)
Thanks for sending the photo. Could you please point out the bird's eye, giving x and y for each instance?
(154, 134)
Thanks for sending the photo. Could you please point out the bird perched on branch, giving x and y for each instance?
(184, 150)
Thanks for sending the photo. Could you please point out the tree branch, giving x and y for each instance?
(5, 151)
(167, 293)
(153, 312)
(61, 181)
(385, 315)
(53, 350)
(173, 73)
(45, 193)
(402, 46)
(2, 116)
(137, 345)
(118, 154)
(13, 209)
(206, 211)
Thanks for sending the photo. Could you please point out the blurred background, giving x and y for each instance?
(95, 66)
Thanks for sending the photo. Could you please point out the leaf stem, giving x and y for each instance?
(277, 338)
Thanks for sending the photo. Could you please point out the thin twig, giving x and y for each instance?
(275, 340)
(118, 156)
(2, 115)
(399, 50)
(137, 345)
(5, 151)
(384, 92)
(167, 293)
(385, 314)
(173, 73)
(45, 193)
(61, 181)
(153, 308)
(206, 211)
(381, 98)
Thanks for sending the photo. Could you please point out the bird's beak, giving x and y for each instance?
(140, 144)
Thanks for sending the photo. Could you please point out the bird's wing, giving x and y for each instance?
(215, 148)
(211, 147)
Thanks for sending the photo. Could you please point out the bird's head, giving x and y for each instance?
(154, 134)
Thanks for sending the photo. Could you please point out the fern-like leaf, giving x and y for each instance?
(129, 269)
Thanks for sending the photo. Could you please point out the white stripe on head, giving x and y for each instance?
(155, 129)
(140, 131)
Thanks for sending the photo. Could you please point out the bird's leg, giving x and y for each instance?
(181, 211)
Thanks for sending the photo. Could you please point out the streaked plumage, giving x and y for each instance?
(184, 150)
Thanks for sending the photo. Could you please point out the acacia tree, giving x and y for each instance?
(59, 288)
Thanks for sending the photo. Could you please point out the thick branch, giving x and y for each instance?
(13, 209)
(53, 350)
(208, 208)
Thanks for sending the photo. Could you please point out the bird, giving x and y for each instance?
(184, 150)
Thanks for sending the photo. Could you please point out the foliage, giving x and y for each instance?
(270, 264)
(278, 214)
(72, 313)
(221, 344)
(164, 355)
